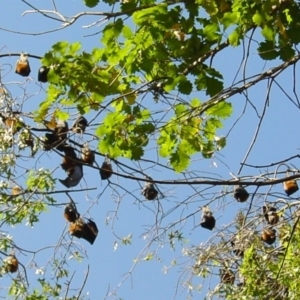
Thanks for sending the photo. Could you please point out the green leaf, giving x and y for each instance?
(180, 109)
(266, 51)
(212, 32)
(61, 115)
(179, 159)
(150, 14)
(258, 18)
(195, 103)
(75, 47)
(185, 87)
(234, 38)
(286, 52)
(127, 32)
(222, 110)
(60, 47)
(268, 33)
(91, 3)
(111, 32)
(167, 142)
(230, 18)
(214, 86)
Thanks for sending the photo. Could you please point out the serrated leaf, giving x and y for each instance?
(136, 153)
(214, 86)
(112, 31)
(179, 160)
(286, 52)
(266, 51)
(185, 87)
(60, 46)
(222, 110)
(157, 11)
(167, 143)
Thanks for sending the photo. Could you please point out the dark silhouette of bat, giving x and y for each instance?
(208, 220)
(56, 139)
(106, 170)
(80, 125)
(72, 166)
(149, 191)
(61, 129)
(74, 176)
(70, 159)
(43, 74)
(71, 214)
(240, 194)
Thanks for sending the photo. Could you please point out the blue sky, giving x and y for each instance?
(117, 213)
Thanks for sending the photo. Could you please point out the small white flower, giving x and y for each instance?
(39, 271)
(115, 246)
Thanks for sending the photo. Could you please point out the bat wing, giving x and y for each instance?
(90, 231)
(74, 177)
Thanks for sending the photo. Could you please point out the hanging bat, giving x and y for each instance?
(42, 74)
(22, 65)
(87, 155)
(290, 187)
(51, 141)
(11, 264)
(72, 166)
(70, 159)
(74, 176)
(270, 214)
(268, 236)
(240, 194)
(71, 214)
(208, 220)
(61, 129)
(56, 139)
(106, 170)
(87, 231)
(80, 125)
(149, 191)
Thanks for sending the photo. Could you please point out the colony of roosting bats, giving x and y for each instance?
(57, 138)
